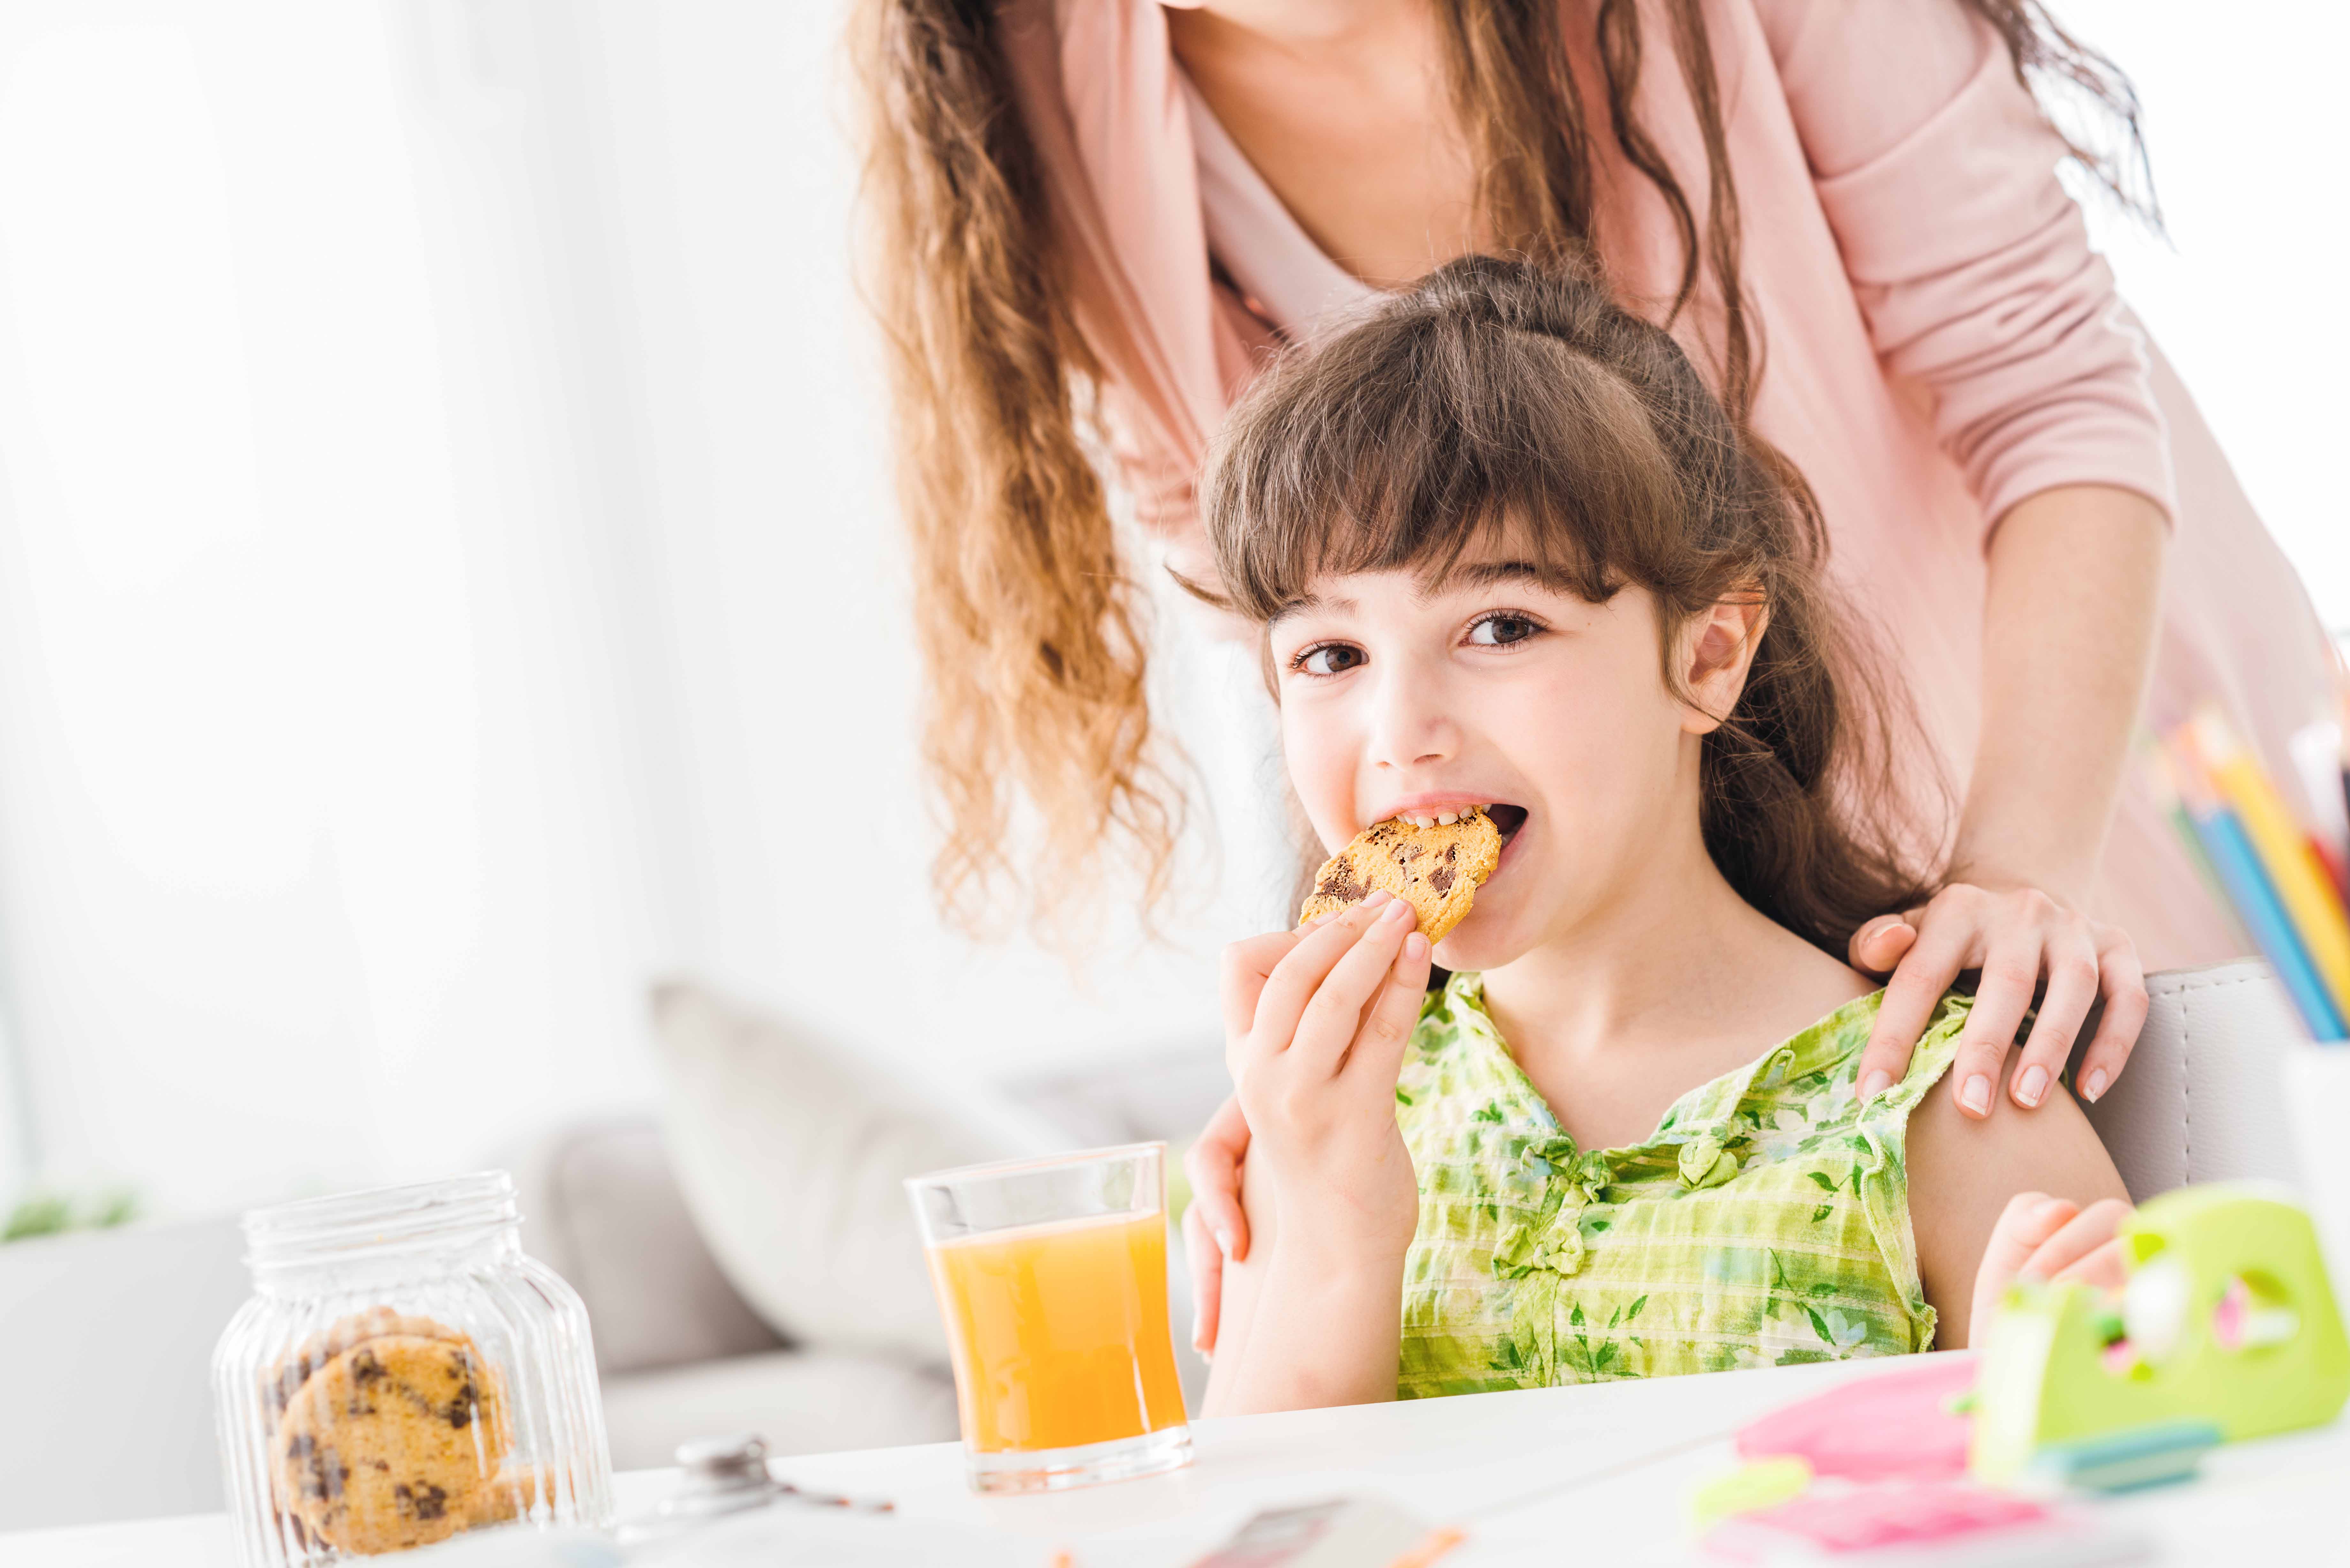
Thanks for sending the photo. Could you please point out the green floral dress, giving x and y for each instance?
(1765, 1222)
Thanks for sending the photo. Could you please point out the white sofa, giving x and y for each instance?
(108, 1333)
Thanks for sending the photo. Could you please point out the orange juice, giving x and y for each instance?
(1059, 1332)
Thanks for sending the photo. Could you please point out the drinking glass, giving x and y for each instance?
(1052, 1275)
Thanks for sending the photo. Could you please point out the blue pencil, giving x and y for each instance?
(2248, 888)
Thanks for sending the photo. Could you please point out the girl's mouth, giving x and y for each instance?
(1506, 818)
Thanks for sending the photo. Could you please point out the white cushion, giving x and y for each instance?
(801, 1401)
(600, 1207)
(792, 1151)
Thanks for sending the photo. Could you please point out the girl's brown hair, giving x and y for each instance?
(1501, 402)
(1033, 646)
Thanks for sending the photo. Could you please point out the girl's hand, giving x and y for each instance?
(2017, 937)
(2043, 1238)
(1315, 1047)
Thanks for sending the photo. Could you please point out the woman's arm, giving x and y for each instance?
(1963, 1175)
(2075, 577)
(1974, 272)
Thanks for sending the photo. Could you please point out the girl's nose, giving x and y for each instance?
(1411, 728)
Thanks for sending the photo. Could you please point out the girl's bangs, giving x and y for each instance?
(1393, 452)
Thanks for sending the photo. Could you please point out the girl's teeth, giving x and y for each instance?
(1447, 818)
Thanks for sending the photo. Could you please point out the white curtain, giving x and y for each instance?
(446, 579)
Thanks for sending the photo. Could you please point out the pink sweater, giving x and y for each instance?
(1941, 342)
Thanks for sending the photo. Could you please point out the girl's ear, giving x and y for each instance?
(1717, 650)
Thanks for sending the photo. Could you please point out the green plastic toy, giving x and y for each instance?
(2226, 1318)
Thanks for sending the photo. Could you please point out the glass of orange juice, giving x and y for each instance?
(1052, 1275)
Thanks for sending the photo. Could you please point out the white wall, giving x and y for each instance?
(446, 576)
(2243, 120)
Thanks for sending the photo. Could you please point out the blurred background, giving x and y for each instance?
(448, 579)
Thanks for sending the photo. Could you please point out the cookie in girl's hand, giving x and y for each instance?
(1435, 869)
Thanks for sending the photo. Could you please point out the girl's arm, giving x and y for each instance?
(1964, 1173)
(1316, 1025)
(1296, 1333)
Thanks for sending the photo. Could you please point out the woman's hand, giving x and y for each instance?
(2017, 937)
(2043, 1238)
(1315, 1047)
(1215, 1226)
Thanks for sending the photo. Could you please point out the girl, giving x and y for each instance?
(1509, 552)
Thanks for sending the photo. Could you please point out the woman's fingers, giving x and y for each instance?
(2071, 963)
(2011, 971)
(1335, 1014)
(2121, 980)
(1207, 1263)
(1924, 974)
(1878, 946)
(1212, 1164)
(1378, 1053)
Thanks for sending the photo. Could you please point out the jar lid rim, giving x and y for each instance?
(407, 1212)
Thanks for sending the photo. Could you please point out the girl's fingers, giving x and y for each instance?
(1332, 1018)
(2026, 1223)
(2072, 966)
(1877, 947)
(1213, 1163)
(2122, 982)
(1295, 979)
(2104, 1267)
(1247, 966)
(2011, 971)
(1924, 974)
(2080, 1236)
(1378, 1053)
(2024, 1227)
(1207, 1263)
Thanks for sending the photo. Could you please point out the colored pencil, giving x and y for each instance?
(2284, 850)
(2239, 870)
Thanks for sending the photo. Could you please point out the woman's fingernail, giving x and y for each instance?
(1875, 1084)
(1225, 1242)
(2096, 1085)
(1976, 1094)
(1415, 947)
(1378, 896)
(2049, 1206)
(2034, 1084)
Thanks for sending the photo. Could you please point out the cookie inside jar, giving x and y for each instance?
(392, 1431)
(405, 1373)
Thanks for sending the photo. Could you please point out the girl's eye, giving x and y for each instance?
(1327, 659)
(1502, 630)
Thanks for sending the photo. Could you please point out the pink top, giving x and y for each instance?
(1941, 342)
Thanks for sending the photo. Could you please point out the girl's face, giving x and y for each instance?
(1493, 690)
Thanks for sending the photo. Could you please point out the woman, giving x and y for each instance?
(1098, 213)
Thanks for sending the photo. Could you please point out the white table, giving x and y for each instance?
(1613, 1463)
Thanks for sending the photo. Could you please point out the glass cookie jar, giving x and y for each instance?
(401, 1374)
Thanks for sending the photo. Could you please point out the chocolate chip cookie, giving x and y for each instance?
(393, 1442)
(1435, 869)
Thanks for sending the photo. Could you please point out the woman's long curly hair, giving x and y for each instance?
(1030, 620)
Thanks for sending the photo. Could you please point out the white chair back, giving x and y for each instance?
(2203, 1099)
